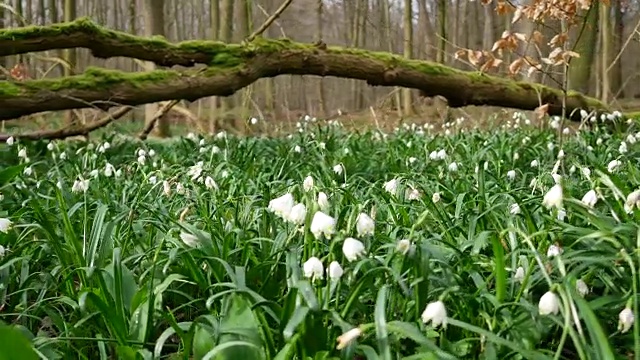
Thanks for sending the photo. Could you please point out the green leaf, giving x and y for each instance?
(14, 345)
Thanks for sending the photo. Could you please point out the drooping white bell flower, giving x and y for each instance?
(153, 179)
(590, 198)
(435, 197)
(436, 313)
(109, 170)
(623, 149)
(534, 163)
(313, 268)
(391, 186)
(195, 171)
(553, 250)
(346, 338)
(338, 169)
(281, 206)
(511, 175)
(549, 304)
(519, 275)
(298, 214)
(453, 167)
(322, 224)
(166, 188)
(442, 154)
(335, 271)
(562, 213)
(625, 320)
(557, 178)
(323, 201)
(553, 198)
(514, 209)
(582, 287)
(613, 165)
(307, 184)
(365, 225)
(10, 141)
(22, 153)
(5, 225)
(80, 185)
(403, 246)
(209, 183)
(586, 172)
(180, 189)
(352, 249)
(189, 239)
(632, 201)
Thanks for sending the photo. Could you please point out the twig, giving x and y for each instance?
(73, 130)
(270, 20)
(160, 113)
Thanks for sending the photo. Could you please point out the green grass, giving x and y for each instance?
(104, 274)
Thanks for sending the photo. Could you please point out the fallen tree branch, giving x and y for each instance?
(235, 66)
(71, 131)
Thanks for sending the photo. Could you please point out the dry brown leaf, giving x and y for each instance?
(515, 66)
(541, 111)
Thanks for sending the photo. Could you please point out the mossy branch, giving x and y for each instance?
(234, 66)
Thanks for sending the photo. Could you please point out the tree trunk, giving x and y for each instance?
(225, 76)
(319, 21)
(154, 25)
(442, 31)
(580, 69)
(70, 56)
(226, 33)
(605, 50)
(407, 100)
(618, 38)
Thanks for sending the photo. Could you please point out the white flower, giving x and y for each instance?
(80, 185)
(412, 160)
(625, 320)
(511, 174)
(141, 152)
(516, 156)
(142, 159)
(582, 287)
(322, 224)
(22, 153)
(572, 169)
(281, 206)
(586, 172)
(561, 214)
(153, 180)
(631, 139)
(348, 337)
(352, 249)
(436, 197)
(94, 173)
(435, 313)
(561, 154)
(50, 146)
(534, 163)
(298, 214)
(599, 141)
(338, 169)
(297, 149)
(209, 183)
(453, 167)
(553, 198)
(307, 184)
(313, 268)
(413, 194)
(253, 120)
(63, 155)
(323, 201)
(5, 225)
(553, 250)
(613, 164)
(365, 225)
(514, 209)
(633, 200)
(180, 189)
(10, 140)
(590, 198)
(556, 178)
(109, 170)
(166, 188)
(519, 275)
(433, 155)
(322, 145)
(623, 148)
(335, 271)
(195, 171)
(442, 154)
(189, 239)
(403, 246)
(549, 304)
(28, 171)
(391, 186)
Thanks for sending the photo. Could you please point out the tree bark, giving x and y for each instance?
(580, 70)
(235, 66)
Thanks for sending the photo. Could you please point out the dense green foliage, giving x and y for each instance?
(203, 269)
